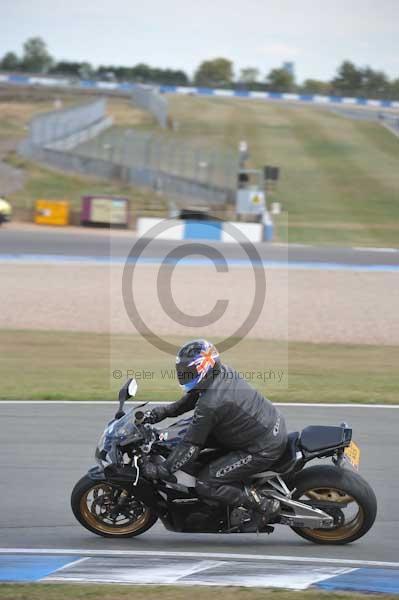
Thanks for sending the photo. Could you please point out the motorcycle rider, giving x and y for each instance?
(228, 414)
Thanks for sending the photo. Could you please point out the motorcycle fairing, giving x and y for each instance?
(174, 433)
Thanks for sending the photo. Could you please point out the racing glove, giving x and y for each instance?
(181, 455)
(152, 471)
(157, 414)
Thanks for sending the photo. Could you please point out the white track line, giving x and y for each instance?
(73, 563)
(203, 555)
(361, 249)
(115, 403)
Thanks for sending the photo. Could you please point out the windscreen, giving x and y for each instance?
(122, 431)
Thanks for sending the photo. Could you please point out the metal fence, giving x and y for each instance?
(391, 122)
(164, 154)
(60, 124)
(164, 163)
(166, 183)
(148, 98)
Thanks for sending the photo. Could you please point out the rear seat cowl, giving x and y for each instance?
(320, 437)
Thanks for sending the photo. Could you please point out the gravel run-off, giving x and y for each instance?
(302, 305)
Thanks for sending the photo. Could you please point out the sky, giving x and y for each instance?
(316, 35)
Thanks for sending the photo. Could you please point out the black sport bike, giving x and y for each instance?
(326, 504)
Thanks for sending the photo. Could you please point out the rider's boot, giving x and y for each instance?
(262, 510)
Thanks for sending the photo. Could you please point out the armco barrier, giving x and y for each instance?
(281, 96)
(216, 231)
(84, 135)
(61, 124)
(148, 98)
(126, 88)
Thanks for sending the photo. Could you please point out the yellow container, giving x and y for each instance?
(52, 212)
(5, 210)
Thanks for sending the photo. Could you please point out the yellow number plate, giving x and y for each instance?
(352, 453)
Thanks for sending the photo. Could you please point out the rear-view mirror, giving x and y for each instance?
(132, 389)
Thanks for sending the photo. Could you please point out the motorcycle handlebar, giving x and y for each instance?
(139, 417)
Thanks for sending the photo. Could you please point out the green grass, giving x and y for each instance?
(16, 113)
(80, 366)
(114, 592)
(44, 183)
(339, 177)
(49, 184)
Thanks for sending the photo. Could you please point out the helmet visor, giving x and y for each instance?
(187, 376)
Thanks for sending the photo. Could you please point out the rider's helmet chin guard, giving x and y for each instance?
(197, 362)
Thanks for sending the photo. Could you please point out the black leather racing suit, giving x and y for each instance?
(232, 415)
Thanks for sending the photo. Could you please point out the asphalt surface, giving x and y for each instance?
(46, 448)
(360, 115)
(119, 244)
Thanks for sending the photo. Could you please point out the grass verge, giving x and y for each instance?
(339, 177)
(114, 592)
(44, 183)
(82, 366)
(340, 182)
(19, 108)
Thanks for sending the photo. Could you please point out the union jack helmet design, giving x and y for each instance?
(194, 361)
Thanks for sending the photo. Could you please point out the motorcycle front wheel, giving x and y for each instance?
(109, 511)
(341, 493)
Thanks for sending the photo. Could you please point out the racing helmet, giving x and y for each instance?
(196, 364)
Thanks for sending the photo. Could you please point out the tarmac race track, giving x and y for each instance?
(91, 243)
(46, 447)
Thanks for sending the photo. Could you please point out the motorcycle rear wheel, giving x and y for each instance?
(326, 483)
(92, 503)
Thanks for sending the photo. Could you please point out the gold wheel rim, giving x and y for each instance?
(340, 533)
(98, 524)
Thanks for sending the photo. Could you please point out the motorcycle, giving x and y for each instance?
(325, 504)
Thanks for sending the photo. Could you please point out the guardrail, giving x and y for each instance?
(75, 139)
(127, 88)
(148, 98)
(50, 127)
(168, 184)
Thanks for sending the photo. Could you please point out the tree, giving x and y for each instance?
(36, 58)
(173, 77)
(65, 67)
(374, 83)
(315, 86)
(394, 89)
(85, 70)
(10, 62)
(249, 75)
(348, 81)
(280, 80)
(142, 73)
(216, 72)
